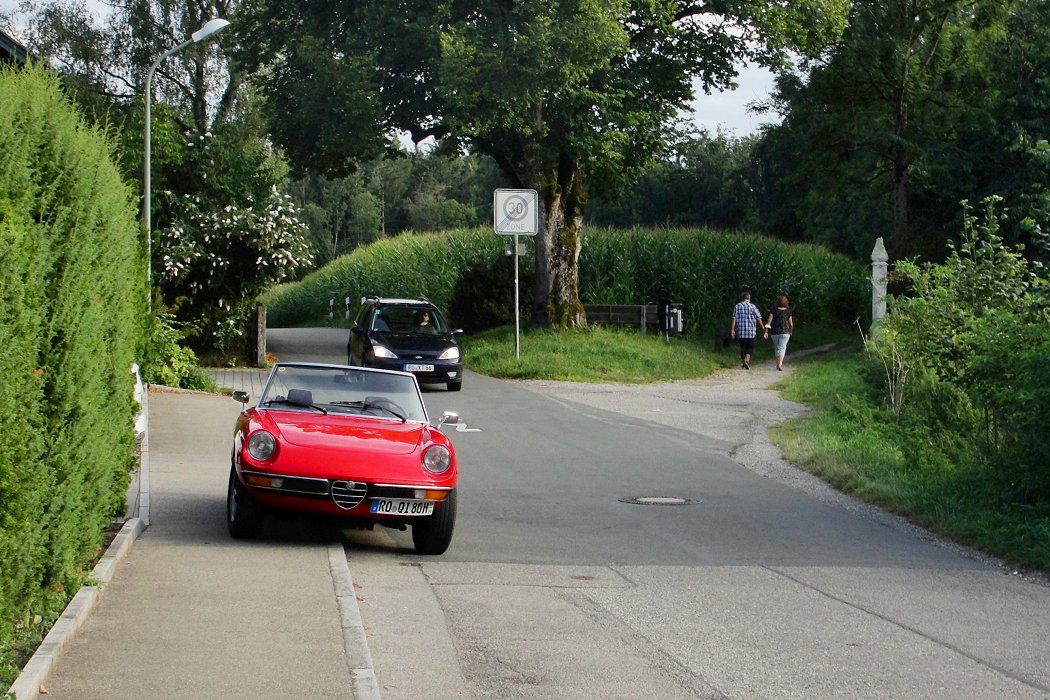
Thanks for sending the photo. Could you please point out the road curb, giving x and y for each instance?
(355, 643)
(28, 684)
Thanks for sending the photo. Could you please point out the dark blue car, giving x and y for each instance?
(407, 335)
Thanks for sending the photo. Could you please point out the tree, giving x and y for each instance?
(874, 125)
(567, 98)
(209, 144)
(702, 181)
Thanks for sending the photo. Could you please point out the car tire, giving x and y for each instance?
(244, 515)
(434, 534)
(455, 386)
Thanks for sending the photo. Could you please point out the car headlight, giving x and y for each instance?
(380, 351)
(261, 445)
(451, 354)
(437, 459)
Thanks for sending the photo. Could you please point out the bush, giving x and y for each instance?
(976, 329)
(167, 362)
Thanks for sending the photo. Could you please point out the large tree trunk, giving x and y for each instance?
(556, 300)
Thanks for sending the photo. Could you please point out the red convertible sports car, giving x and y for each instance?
(347, 443)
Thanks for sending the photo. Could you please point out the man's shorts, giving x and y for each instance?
(747, 346)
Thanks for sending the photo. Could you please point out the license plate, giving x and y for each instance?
(419, 368)
(399, 506)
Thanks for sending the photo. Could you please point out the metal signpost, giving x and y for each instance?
(516, 213)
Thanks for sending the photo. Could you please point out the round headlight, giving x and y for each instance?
(261, 445)
(437, 459)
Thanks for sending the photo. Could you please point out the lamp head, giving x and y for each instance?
(210, 27)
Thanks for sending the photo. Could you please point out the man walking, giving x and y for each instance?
(746, 321)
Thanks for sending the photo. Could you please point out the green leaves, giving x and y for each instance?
(979, 323)
(72, 280)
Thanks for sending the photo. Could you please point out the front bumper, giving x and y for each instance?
(335, 497)
(443, 371)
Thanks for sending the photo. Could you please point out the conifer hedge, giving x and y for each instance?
(72, 284)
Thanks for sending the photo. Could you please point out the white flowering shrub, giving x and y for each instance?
(210, 264)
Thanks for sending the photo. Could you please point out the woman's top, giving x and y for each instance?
(780, 324)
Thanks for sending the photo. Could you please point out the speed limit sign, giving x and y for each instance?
(515, 212)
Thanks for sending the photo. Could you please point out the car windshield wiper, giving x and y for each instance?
(281, 399)
(368, 405)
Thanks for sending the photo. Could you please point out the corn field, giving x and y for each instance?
(700, 269)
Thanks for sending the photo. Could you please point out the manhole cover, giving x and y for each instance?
(658, 501)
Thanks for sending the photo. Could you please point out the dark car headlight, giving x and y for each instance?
(261, 445)
(450, 354)
(380, 351)
(437, 459)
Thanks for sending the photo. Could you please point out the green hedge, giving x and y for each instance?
(703, 270)
(72, 280)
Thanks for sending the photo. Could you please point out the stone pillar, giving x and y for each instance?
(879, 272)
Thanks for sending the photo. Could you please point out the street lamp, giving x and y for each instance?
(210, 27)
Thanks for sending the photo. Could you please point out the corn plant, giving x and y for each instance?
(701, 269)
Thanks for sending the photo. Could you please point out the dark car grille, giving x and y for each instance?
(348, 494)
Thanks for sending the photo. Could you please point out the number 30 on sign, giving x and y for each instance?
(515, 212)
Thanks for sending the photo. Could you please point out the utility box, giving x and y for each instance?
(673, 318)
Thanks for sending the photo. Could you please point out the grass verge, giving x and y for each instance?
(612, 354)
(934, 478)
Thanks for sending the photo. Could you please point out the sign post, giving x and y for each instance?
(516, 213)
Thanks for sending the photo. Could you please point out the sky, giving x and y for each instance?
(728, 109)
(722, 110)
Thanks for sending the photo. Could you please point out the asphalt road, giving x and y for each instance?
(555, 587)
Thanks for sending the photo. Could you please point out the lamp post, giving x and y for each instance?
(210, 27)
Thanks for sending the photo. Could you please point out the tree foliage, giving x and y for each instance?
(567, 98)
(921, 105)
(702, 180)
(209, 144)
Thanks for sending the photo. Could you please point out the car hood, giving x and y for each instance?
(415, 342)
(341, 432)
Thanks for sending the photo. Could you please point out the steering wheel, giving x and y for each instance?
(385, 404)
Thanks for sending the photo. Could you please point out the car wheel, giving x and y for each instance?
(455, 386)
(244, 515)
(434, 534)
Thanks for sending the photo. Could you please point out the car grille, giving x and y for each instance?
(348, 494)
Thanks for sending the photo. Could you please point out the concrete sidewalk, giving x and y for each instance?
(191, 613)
(239, 379)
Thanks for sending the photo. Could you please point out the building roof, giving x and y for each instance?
(11, 49)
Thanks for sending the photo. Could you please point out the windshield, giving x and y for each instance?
(344, 390)
(408, 319)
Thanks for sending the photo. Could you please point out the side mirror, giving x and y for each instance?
(242, 397)
(448, 418)
(458, 331)
(357, 330)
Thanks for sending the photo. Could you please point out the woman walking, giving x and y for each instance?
(780, 325)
